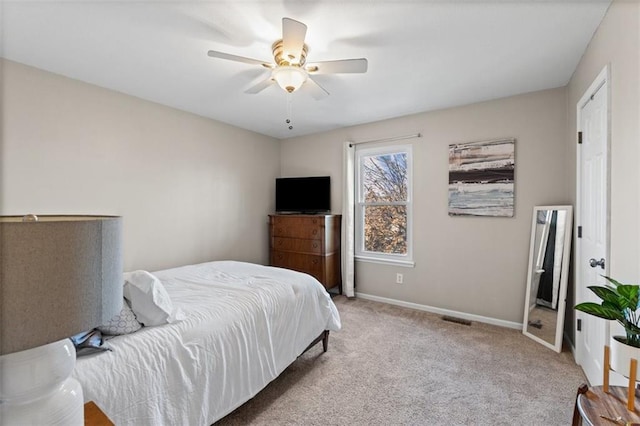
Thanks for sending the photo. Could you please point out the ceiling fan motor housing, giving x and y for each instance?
(283, 58)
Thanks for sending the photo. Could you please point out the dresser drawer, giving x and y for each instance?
(297, 226)
(311, 264)
(307, 243)
(297, 245)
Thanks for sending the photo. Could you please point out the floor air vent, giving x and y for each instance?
(456, 320)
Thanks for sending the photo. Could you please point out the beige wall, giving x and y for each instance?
(616, 43)
(189, 189)
(471, 265)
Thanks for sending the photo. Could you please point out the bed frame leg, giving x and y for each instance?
(325, 341)
(324, 336)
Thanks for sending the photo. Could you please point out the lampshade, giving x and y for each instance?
(60, 275)
(290, 78)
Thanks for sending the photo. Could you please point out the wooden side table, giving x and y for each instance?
(93, 416)
(595, 403)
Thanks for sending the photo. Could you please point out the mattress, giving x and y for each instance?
(243, 325)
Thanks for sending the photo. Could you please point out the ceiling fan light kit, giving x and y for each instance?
(289, 77)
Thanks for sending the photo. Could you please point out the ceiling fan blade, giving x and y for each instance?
(293, 34)
(340, 66)
(315, 90)
(228, 56)
(260, 86)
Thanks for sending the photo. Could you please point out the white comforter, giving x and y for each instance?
(244, 325)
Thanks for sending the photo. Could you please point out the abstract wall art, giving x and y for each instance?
(481, 178)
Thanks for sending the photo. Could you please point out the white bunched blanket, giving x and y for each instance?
(243, 325)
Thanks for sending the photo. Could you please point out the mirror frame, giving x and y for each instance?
(564, 277)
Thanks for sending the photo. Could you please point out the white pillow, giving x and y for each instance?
(149, 299)
(124, 322)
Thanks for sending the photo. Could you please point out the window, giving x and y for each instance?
(383, 204)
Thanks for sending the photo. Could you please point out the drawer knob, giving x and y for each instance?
(315, 245)
(314, 232)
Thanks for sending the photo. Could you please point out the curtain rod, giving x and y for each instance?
(397, 138)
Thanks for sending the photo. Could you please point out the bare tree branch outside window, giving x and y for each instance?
(385, 189)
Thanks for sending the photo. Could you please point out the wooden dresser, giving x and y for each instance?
(307, 243)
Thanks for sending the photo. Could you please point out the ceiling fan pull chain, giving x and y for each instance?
(289, 120)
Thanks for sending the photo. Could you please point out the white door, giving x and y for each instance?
(592, 246)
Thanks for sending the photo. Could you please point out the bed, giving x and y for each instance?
(240, 325)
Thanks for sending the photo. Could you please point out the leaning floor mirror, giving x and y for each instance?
(547, 276)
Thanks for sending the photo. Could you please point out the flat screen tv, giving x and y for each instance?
(307, 195)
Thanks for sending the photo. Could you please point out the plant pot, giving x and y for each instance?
(621, 354)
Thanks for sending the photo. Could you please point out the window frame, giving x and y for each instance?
(377, 257)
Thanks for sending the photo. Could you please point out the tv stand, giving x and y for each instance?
(307, 243)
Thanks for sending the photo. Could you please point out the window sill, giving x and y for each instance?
(396, 262)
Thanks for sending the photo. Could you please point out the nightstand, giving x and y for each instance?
(93, 416)
(599, 408)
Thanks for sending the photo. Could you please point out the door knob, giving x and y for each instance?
(593, 263)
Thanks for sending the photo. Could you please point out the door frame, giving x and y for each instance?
(603, 79)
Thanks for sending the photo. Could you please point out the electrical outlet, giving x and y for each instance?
(399, 278)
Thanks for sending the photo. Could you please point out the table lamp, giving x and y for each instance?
(59, 276)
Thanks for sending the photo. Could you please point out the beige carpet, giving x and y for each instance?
(396, 366)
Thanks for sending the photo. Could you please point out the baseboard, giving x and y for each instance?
(569, 343)
(440, 311)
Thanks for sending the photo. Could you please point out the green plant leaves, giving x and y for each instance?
(605, 293)
(611, 280)
(631, 328)
(620, 303)
(603, 311)
(623, 296)
(628, 296)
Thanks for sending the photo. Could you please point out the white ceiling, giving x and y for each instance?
(422, 55)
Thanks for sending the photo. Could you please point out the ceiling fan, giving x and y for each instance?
(290, 69)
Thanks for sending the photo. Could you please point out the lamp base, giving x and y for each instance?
(36, 387)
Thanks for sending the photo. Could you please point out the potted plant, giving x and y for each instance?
(620, 302)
